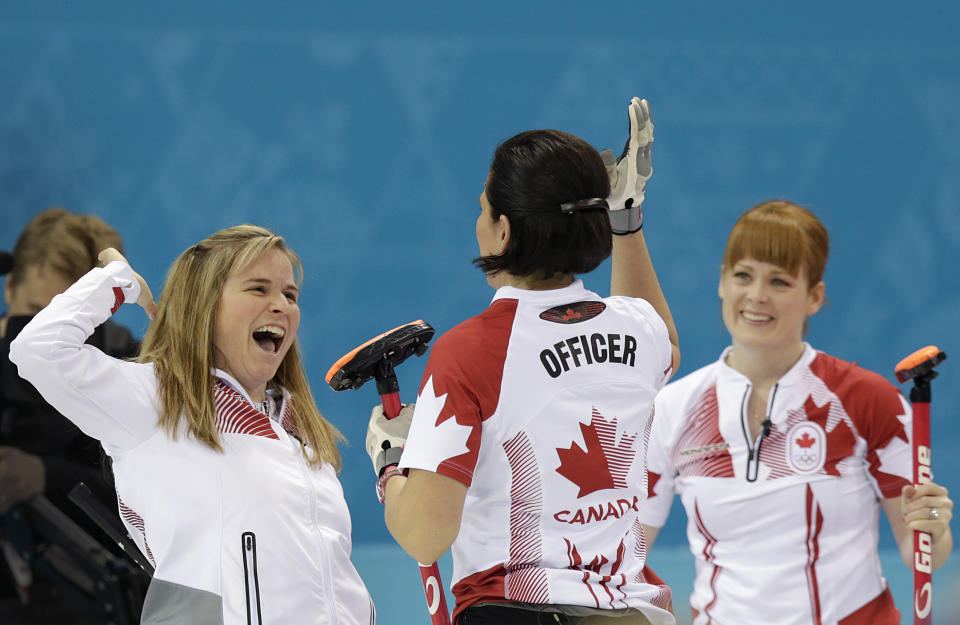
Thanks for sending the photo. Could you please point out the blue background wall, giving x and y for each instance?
(363, 135)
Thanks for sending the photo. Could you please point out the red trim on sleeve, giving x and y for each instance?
(466, 365)
(118, 299)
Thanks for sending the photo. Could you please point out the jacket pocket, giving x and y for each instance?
(250, 581)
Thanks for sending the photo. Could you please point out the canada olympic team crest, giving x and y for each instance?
(806, 447)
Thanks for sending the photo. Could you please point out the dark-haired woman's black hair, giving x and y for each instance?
(532, 175)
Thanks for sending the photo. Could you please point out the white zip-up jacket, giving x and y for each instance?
(250, 535)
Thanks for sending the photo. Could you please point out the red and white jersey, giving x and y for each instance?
(541, 405)
(249, 535)
(784, 526)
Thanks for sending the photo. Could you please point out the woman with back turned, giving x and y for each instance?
(526, 447)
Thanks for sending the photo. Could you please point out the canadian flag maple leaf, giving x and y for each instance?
(604, 462)
(806, 440)
(840, 439)
(571, 314)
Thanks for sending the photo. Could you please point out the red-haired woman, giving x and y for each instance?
(783, 455)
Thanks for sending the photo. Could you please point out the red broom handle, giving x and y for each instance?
(922, 542)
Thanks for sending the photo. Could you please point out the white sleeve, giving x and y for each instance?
(659, 334)
(655, 509)
(109, 399)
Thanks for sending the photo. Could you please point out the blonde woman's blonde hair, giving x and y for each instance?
(180, 343)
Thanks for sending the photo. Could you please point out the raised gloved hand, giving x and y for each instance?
(630, 171)
(386, 437)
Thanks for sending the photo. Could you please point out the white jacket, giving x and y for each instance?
(250, 535)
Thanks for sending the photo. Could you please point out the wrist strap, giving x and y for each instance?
(387, 457)
(626, 220)
(388, 472)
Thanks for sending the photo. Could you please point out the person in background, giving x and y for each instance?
(226, 472)
(783, 455)
(41, 452)
(525, 450)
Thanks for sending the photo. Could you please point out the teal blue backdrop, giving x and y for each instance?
(362, 132)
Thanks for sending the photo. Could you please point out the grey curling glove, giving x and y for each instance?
(386, 437)
(630, 171)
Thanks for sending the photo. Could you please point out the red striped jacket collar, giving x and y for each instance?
(236, 413)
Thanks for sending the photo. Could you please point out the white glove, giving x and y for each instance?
(386, 437)
(630, 171)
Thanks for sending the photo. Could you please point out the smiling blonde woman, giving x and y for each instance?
(225, 469)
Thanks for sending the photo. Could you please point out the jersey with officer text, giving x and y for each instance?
(783, 525)
(541, 405)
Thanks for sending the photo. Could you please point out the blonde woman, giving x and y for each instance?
(225, 470)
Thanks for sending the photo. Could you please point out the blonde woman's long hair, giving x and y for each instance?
(180, 343)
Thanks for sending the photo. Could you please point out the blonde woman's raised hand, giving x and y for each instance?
(146, 296)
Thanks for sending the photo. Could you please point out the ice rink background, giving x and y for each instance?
(363, 135)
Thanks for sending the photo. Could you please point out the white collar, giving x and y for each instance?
(545, 297)
(792, 376)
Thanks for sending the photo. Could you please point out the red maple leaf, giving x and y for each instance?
(840, 440)
(588, 468)
(806, 440)
(571, 314)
